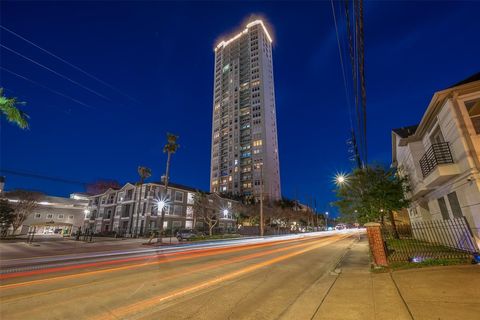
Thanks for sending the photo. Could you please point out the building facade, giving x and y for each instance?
(441, 157)
(118, 211)
(54, 215)
(244, 128)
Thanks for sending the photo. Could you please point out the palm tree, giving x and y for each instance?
(144, 174)
(170, 148)
(8, 107)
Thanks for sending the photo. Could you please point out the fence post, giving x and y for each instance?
(377, 246)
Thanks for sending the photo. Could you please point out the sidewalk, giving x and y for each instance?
(358, 293)
(428, 293)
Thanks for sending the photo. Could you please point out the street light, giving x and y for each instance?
(160, 205)
(326, 220)
(225, 213)
(340, 179)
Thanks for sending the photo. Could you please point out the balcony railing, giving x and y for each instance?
(438, 153)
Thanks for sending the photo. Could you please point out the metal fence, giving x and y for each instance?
(436, 239)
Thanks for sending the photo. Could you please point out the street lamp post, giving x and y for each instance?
(326, 220)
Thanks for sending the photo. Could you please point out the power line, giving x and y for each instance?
(47, 88)
(343, 67)
(42, 177)
(70, 64)
(56, 73)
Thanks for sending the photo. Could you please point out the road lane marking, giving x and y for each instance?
(193, 255)
(123, 312)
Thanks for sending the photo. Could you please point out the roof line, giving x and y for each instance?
(249, 25)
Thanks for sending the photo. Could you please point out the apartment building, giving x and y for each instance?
(244, 154)
(54, 215)
(441, 156)
(119, 210)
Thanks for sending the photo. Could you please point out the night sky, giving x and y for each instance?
(156, 64)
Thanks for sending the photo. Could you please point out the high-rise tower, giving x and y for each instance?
(244, 129)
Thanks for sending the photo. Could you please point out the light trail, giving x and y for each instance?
(135, 308)
(173, 248)
(183, 272)
(196, 254)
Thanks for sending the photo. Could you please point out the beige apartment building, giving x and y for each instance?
(441, 156)
(244, 155)
(118, 211)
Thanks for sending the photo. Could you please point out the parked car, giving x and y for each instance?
(340, 227)
(187, 234)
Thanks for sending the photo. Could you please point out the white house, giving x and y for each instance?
(441, 156)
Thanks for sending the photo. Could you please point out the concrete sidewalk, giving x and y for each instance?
(428, 293)
(357, 293)
(451, 292)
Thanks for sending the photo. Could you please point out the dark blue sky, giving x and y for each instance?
(161, 55)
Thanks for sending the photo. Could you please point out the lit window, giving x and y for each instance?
(190, 197)
(257, 143)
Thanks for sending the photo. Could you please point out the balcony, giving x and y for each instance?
(437, 164)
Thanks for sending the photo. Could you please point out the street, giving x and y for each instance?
(248, 279)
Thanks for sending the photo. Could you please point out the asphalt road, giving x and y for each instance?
(270, 278)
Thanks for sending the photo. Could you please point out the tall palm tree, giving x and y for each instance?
(144, 174)
(170, 148)
(9, 108)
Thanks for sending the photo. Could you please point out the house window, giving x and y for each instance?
(167, 209)
(38, 215)
(178, 196)
(177, 210)
(437, 136)
(60, 216)
(473, 109)
(455, 205)
(70, 217)
(443, 208)
(49, 216)
(191, 198)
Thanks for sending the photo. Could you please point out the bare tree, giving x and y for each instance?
(24, 204)
(6, 217)
(206, 208)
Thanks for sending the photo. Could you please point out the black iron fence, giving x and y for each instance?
(438, 153)
(436, 239)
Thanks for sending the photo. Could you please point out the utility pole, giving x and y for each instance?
(261, 200)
